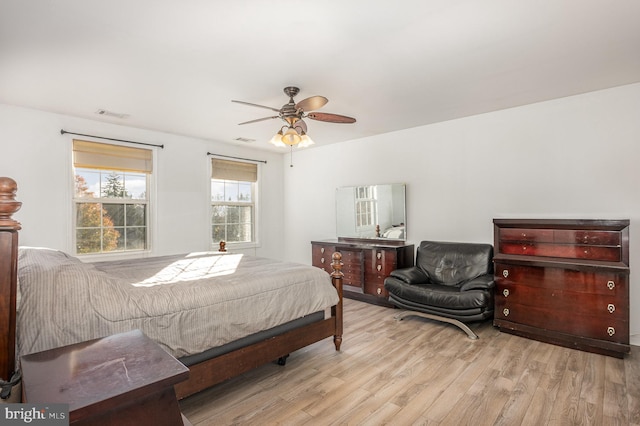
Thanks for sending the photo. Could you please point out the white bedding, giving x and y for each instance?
(187, 303)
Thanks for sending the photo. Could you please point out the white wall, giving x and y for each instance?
(576, 157)
(38, 157)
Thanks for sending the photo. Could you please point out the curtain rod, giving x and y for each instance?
(62, 132)
(237, 158)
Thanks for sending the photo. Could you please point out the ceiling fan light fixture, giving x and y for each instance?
(305, 140)
(277, 139)
(291, 137)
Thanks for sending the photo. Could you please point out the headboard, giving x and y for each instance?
(8, 275)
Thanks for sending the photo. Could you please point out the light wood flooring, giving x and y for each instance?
(422, 372)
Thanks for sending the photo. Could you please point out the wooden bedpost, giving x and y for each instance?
(8, 275)
(336, 311)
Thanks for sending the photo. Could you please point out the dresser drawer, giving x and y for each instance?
(380, 263)
(561, 236)
(375, 288)
(601, 238)
(352, 274)
(606, 307)
(525, 235)
(568, 251)
(598, 282)
(375, 279)
(352, 279)
(321, 257)
(592, 326)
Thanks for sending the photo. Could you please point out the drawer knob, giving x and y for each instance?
(322, 250)
(611, 331)
(611, 285)
(379, 268)
(505, 292)
(505, 273)
(505, 311)
(524, 234)
(379, 255)
(611, 308)
(322, 260)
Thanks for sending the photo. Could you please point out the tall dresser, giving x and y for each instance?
(366, 263)
(564, 282)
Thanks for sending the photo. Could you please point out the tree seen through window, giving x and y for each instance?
(232, 211)
(111, 211)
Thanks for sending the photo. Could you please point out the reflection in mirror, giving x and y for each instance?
(371, 211)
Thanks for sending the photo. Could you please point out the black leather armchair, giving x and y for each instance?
(451, 282)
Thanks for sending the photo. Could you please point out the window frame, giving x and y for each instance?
(149, 202)
(255, 189)
(370, 201)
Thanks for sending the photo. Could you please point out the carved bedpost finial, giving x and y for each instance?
(8, 203)
(336, 264)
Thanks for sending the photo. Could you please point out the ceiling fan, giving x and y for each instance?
(293, 114)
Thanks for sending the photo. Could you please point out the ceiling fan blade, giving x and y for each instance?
(312, 103)
(331, 118)
(256, 105)
(259, 119)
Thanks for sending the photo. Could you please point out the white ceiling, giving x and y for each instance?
(175, 66)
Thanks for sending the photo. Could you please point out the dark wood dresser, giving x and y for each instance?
(564, 282)
(366, 264)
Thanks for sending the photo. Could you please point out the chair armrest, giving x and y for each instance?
(483, 282)
(413, 275)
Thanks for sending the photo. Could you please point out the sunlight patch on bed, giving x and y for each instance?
(194, 267)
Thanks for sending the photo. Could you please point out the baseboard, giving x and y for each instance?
(635, 339)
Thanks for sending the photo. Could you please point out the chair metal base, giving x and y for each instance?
(402, 315)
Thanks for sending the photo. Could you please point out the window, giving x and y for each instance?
(233, 201)
(366, 207)
(111, 197)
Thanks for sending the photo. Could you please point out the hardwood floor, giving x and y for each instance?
(422, 372)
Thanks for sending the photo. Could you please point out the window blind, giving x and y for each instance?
(95, 155)
(234, 170)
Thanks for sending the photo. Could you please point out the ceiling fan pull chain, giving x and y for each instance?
(291, 156)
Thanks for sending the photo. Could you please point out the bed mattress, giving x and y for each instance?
(187, 303)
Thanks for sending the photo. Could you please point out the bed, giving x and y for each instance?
(221, 314)
(395, 232)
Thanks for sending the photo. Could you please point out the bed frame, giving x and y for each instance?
(203, 374)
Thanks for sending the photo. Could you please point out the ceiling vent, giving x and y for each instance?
(245, 140)
(111, 114)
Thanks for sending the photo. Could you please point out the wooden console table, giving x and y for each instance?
(124, 379)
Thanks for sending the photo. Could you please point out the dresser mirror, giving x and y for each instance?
(371, 211)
